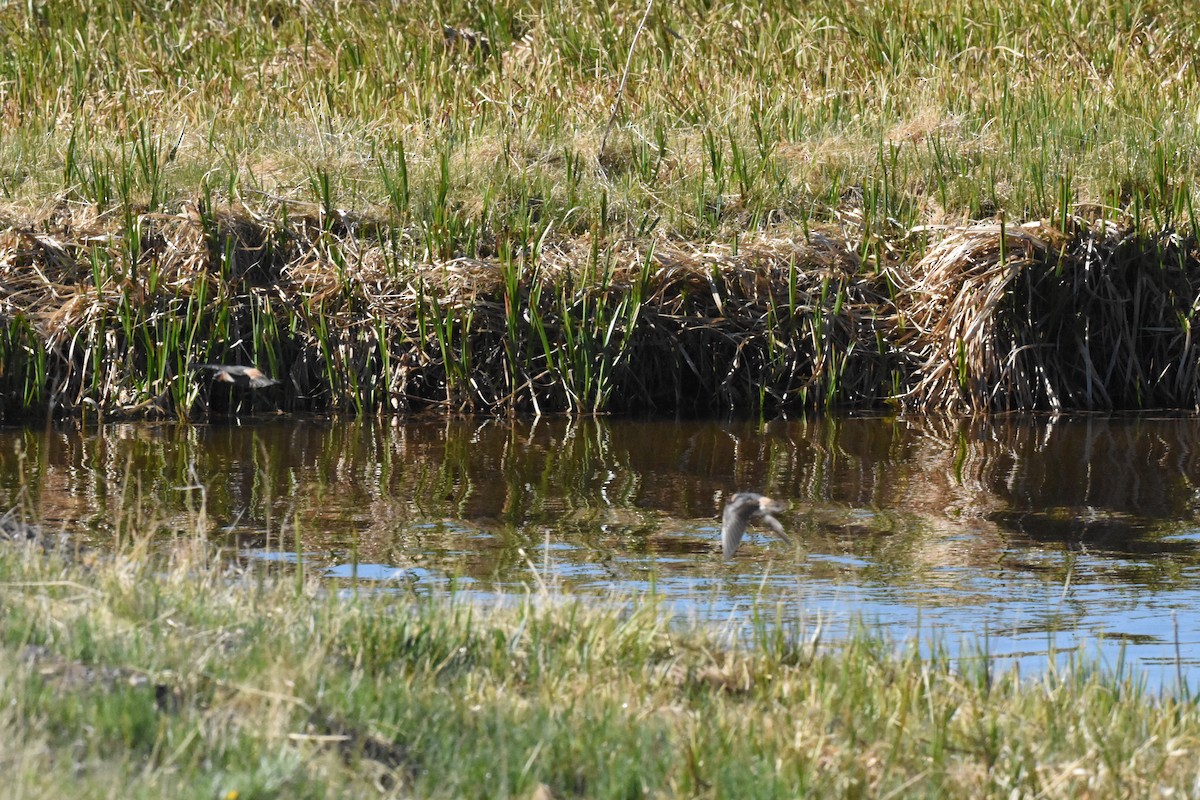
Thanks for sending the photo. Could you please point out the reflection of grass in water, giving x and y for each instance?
(174, 676)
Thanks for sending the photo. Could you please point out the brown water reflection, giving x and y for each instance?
(1018, 526)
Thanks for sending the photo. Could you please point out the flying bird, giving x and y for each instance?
(236, 375)
(743, 507)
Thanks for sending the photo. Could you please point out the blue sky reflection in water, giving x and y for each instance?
(1033, 532)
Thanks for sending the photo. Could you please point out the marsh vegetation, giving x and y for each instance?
(479, 207)
(531, 207)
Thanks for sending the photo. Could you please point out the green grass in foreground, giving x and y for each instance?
(144, 677)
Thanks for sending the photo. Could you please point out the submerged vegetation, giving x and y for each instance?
(514, 207)
(165, 670)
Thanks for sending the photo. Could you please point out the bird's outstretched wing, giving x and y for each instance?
(740, 509)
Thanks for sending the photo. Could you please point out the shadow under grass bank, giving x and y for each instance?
(113, 311)
(177, 675)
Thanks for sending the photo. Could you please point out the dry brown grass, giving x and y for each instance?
(1032, 317)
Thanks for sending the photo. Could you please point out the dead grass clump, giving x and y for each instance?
(121, 302)
(1031, 317)
(777, 322)
(925, 123)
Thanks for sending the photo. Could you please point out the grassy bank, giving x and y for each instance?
(177, 675)
(543, 207)
(732, 117)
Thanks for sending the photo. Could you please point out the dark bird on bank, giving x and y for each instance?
(236, 375)
(743, 507)
(15, 529)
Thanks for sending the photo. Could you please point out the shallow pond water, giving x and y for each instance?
(1020, 536)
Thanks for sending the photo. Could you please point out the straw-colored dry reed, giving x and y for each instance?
(1033, 317)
